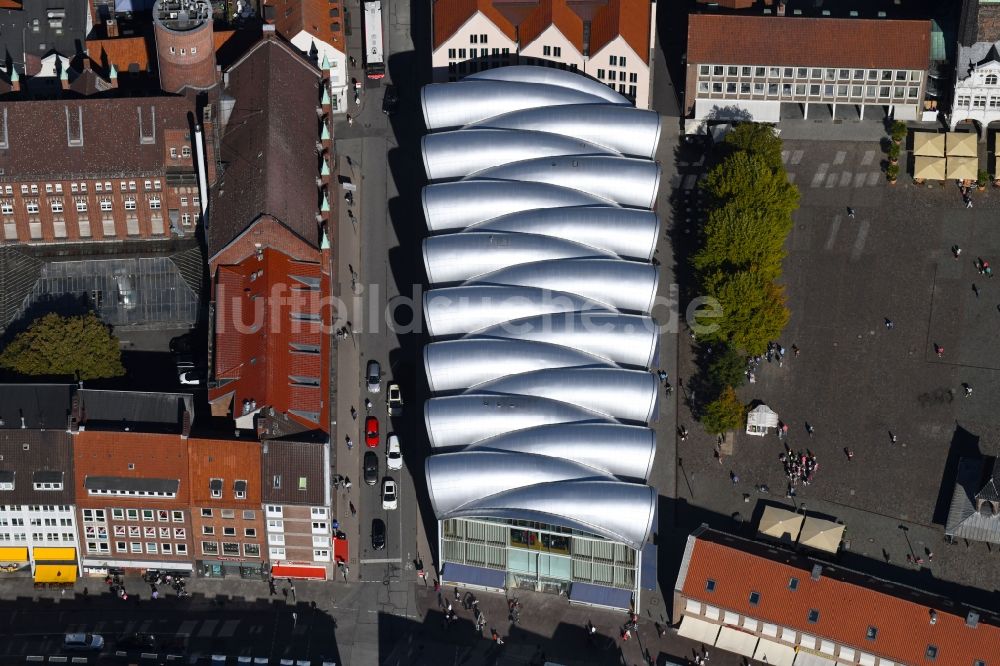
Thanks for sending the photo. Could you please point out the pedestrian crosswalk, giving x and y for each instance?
(842, 169)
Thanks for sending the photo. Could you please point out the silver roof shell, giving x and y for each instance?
(456, 154)
(461, 310)
(630, 233)
(630, 131)
(625, 180)
(449, 105)
(461, 420)
(449, 206)
(552, 77)
(625, 451)
(626, 395)
(459, 257)
(620, 284)
(625, 339)
(460, 364)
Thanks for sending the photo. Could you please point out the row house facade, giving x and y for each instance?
(69, 175)
(976, 97)
(610, 41)
(802, 61)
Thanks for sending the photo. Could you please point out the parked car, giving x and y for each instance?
(374, 376)
(371, 468)
(395, 400)
(389, 100)
(393, 456)
(192, 377)
(378, 534)
(390, 498)
(371, 432)
(83, 642)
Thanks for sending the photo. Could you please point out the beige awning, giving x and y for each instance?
(774, 654)
(929, 168)
(962, 144)
(780, 523)
(821, 534)
(962, 168)
(736, 641)
(803, 658)
(698, 630)
(930, 144)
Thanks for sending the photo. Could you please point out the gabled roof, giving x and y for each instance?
(991, 56)
(41, 406)
(323, 19)
(847, 602)
(134, 410)
(268, 146)
(450, 15)
(131, 461)
(628, 18)
(227, 461)
(552, 12)
(819, 42)
(37, 456)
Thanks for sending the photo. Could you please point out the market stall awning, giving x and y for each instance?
(780, 523)
(736, 640)
(759, 419)
(55, 573)
(698, 630)
(773, 653)
(962, 168)
(9, 554)
(929, 168)
(962, 144)
(804, 658)
(821, 534)
(930, 144)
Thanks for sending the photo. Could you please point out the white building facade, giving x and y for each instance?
(328, 54)
(977, 85)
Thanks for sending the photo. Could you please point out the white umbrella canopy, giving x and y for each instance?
(930, 144)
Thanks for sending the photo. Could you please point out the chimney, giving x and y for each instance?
(64, 79)
(86, 62)
(15, 79)
(933, 616)
(268, 30)
(111, 27)
(817, 572)
(113, 76)
(781, 8)
(972, 620)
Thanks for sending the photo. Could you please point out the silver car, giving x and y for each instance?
(374, 376)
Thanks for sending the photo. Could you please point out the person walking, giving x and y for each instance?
(956, 251)
(809, 429)
(892, 437)
(968, 391)
(939, 350)
(850, 212)
(849, 453)
(968, 201)
(889, 323)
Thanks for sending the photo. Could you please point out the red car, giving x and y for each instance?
(371, 432)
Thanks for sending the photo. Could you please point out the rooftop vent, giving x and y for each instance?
(881, 14)
(817, 572)
(972, 620)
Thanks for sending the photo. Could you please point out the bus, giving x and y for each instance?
(374, 62)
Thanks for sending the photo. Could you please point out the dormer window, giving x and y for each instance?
(215, 486)
(240, 489)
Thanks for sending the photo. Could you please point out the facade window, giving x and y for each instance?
(151, 547)
(702, 69)
(57, 206)
(321, 555)
(813, 616)
(452, 53)
(148, 185)
(250, 532)
(135, 547)
(31, 207)
(206, 513)
(173, 152)
(249, 515)
(462, 54)
(208, 530)
(228, 513)
(147, 515)
(48, 188)
(229, 531)
(210, 547)
(180, 533)
(181, 548)
(730, 71)
(703, 86)
(130, 203)
(473, 39)
(166, 548)
(273, 510)
(978, 102)
(240, 489)
(482, 39)
(186, 151)
(963, 100)
(81, 205)
(215, 485)
(613, 61)
(251, 549)
(557, 52)
(229, 548)
(133, 514)
(633, 77)
(546, 50)
(178, 516)
(744, 88)
(716, 71)
(7, 207)
(600, 74)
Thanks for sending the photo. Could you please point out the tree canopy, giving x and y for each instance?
(726, 367)
(738, 239)
(746, 180)
(724, 414)
(758, 139)
(753, 308)
(79, 346)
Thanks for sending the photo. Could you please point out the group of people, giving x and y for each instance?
(775, 354)
(800, 467)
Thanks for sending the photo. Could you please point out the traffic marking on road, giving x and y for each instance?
(839, 157)
(868, 157)
(859, 242)
(834, 228)
(820, 175)
(845, 178)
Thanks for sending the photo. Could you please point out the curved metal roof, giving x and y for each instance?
(620, 284)
(461, 310)
(552, 77)
(626, 395)
(622, 450)
(630, 131)
(625, 180)
(459, 364)
(460, 257)
(448, 105)
(626, 339)
(630, 233)
(618, 511)
(449, 206)
(459, 153)
(461, 420)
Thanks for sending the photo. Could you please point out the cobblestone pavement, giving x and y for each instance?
(858, 382)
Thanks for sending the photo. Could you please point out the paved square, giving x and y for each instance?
(856, 381)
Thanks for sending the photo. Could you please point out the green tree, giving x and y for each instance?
(724, 414)
(753, 310)
(758, 139)
(736, 238)
(726, 368)
(80, 346)
(744, 179)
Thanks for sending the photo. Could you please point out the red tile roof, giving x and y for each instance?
(819, 42)
(255, 330)
(323, 19)
(151, 455)
(552, 12)
(628, 18)
(229, 460)
(450, 15)
(122, 52)
(846, 609)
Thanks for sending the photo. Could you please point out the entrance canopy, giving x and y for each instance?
(760, 419)
(929, 144)
(929, 168)
(55, 573)
(298, 570)
(737, 641)
(780, 523)
(821, 534)
(698, 630)
(776, 654)
(962, 168)
(17, 554)
(962, 144)
(804, 658)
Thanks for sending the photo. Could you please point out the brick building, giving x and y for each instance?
(612, 41)
(38, 525)
(226, 512)
(297, 495)
(781, 608)
(132, 481)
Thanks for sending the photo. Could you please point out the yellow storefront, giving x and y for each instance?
(55, 565)
(12, 559)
